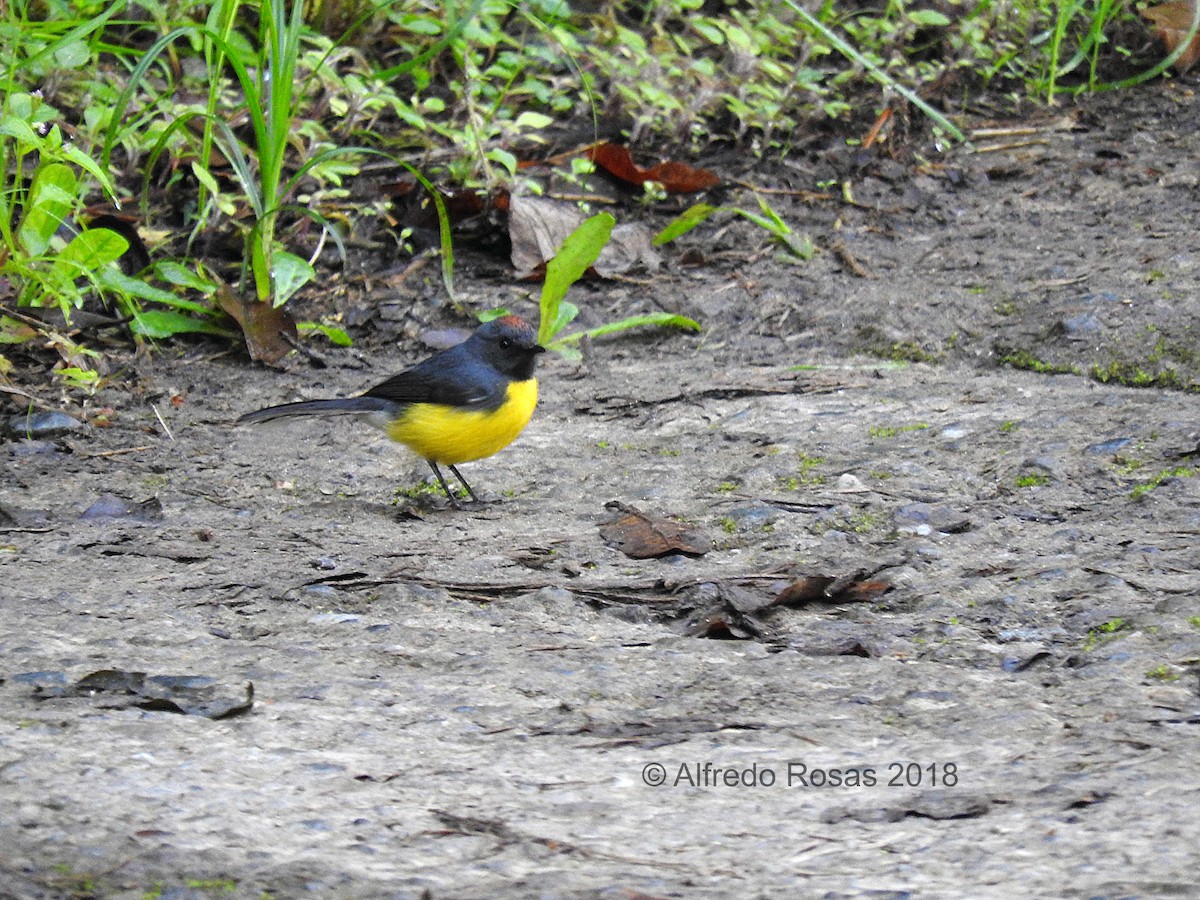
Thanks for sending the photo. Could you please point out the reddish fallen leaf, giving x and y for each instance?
(1173, 21)
(803, 590)
(269, 331)
(830, 589)
(675, 177)
(642, 536)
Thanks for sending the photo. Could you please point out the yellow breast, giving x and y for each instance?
(446, 435)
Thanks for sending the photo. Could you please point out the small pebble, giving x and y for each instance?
(110, 506)
(332, 619)
(850, 484)
(1081, 326)
(1107, 448)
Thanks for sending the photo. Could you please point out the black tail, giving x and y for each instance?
(347, 406)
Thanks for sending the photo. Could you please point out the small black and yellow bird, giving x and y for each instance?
(464, 403)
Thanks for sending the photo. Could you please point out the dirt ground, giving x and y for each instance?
(946, 641)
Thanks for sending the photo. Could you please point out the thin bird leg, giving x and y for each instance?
(442, 479)
(458, 475)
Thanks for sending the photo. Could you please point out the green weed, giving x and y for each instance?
(890, 431)
(1155, 482)
(1105, 632)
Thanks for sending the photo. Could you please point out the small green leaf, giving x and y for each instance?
(929, 17)
(567, 311)
(336, 335)
(684, 222)
(533, 120)
(711, 32)
(503, 158)
(209, 183)
(50, 199)
(290, 274)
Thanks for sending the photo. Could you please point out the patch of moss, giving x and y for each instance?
(890, 431)
(1105, 633)
(1032, 479)
(907, 351)
(1174, 472)
(1023, 359)
(863, 522)
(1132, 375)
(1162, 672)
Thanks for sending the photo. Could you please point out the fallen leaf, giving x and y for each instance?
(537, 228)
(269, 331)
(1173, 21)
(642, 536)
(193, 695)
(675, 177)
(830, 589)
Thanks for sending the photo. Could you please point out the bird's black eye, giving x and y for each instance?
(505, 343)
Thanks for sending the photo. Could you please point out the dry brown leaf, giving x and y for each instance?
(1173, 21)
(642, 536)
(269, 331)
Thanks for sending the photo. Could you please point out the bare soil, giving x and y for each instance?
(946, 642)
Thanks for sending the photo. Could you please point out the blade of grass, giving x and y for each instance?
(877, 73)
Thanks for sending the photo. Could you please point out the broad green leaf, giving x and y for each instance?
(181, 276)
(89, 252)
(290, 274)
(578, 251)
(113, 279)
(16, 127)
(50, 199)
(159, 324)
(72, 55)
(684, 222)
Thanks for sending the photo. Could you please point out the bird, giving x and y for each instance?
(464, 403)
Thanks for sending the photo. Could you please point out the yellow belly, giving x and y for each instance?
(451, 436)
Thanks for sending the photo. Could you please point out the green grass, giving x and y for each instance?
(244, 119)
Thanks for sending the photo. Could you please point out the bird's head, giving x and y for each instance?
(509, 344)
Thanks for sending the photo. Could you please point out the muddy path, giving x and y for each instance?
(945, 641)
